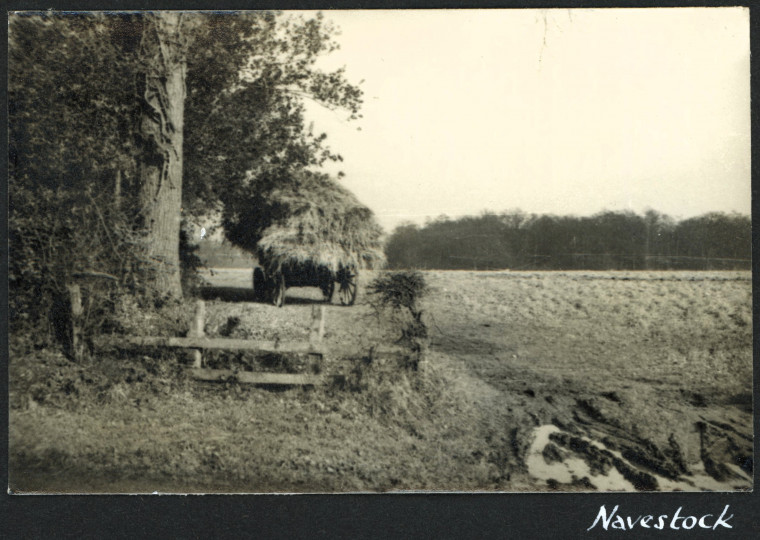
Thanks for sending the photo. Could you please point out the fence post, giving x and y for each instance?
(316, 333)
(75, 316)
(197, 330)
(317, 329)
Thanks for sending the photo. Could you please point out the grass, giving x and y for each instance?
(236, 438)
(641, 358)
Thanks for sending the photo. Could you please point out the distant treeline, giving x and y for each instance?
(605, 241)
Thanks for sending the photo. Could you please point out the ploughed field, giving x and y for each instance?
(571, 381)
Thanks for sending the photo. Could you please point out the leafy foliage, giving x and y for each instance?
(248, 77)
(71, 113)
(71, 102)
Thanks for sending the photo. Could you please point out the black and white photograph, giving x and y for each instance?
(387, 251)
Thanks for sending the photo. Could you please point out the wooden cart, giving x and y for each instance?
(270, 285)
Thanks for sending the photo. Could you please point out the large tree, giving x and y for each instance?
(246, 76)
(169, 111)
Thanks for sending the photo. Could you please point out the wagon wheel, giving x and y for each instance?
(347, 291)
(278, 290)
(328, 288)
(259, 284)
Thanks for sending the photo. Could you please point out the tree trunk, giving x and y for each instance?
(162, 124)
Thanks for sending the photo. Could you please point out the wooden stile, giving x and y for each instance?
(196, 340)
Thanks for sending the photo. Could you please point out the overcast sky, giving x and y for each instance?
(549, 111)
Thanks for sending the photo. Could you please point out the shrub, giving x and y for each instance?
(398, 295)
(399, 290)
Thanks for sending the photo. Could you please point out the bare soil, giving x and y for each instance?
(533, 381)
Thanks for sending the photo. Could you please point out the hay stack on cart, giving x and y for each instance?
(316, 234)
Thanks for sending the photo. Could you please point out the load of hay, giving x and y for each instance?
(308, 220)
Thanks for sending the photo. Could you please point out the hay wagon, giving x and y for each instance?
(270, 286)
(307, 231)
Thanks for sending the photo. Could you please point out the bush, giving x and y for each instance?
(399, 290)
(398, 295)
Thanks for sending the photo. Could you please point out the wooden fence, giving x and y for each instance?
(197, 342)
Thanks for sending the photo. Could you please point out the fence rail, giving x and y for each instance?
(197, 342)
(251, 377)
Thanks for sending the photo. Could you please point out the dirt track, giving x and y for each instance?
(533, 381)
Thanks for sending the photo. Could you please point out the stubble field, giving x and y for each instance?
(533, 381)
